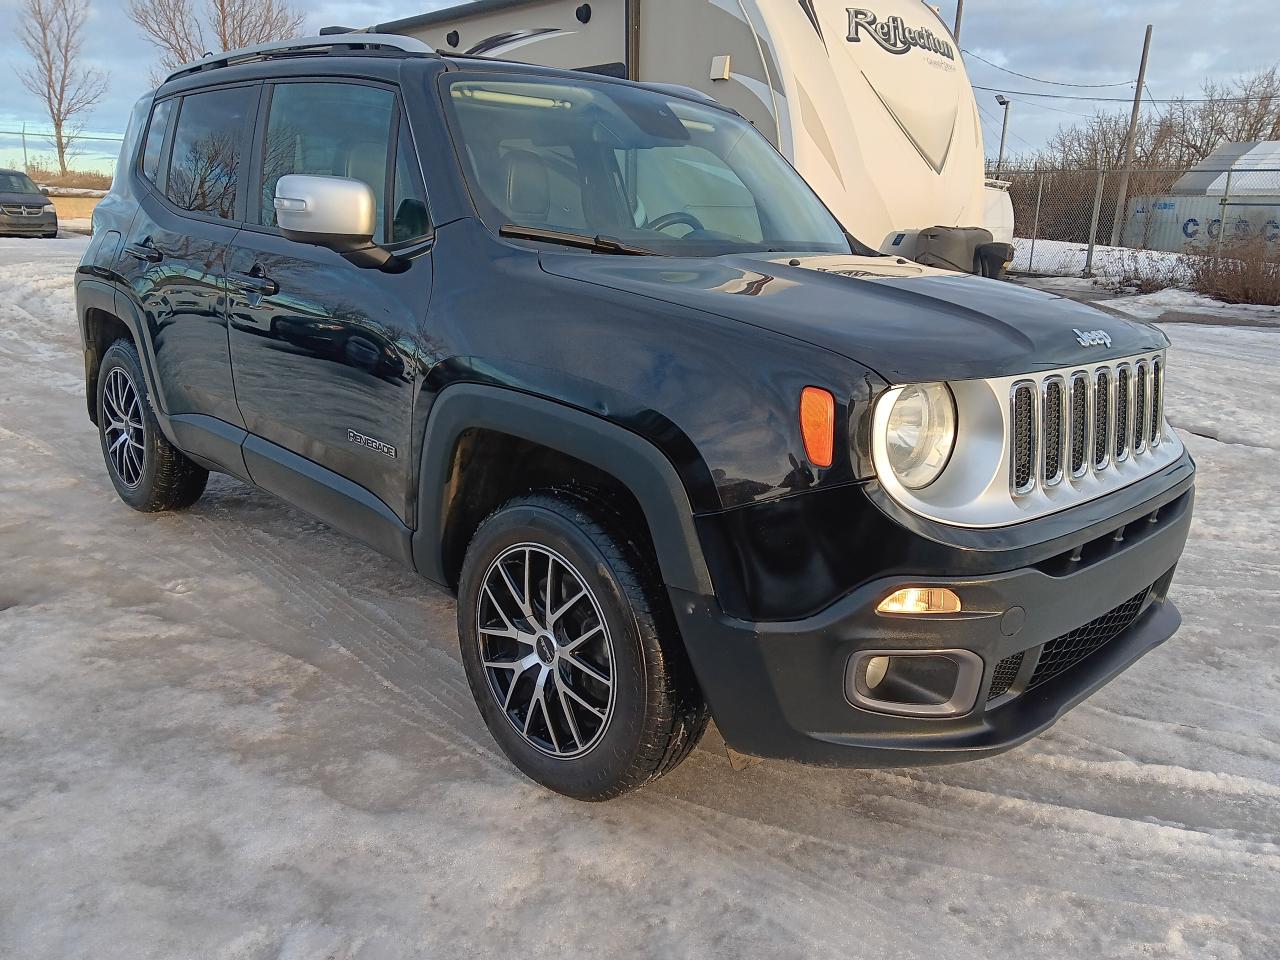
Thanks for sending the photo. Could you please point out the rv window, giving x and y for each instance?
(610, 159)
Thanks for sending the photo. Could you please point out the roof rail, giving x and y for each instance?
(302, 45)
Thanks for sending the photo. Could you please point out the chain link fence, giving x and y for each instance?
(1071, 222)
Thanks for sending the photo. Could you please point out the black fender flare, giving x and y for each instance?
(629, 458)
(100, 295)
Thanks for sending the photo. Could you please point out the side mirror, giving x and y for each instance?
(338, 213)
(45, 191)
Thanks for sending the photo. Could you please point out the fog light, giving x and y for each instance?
(921, 600)
(877, 667)
(914, 683)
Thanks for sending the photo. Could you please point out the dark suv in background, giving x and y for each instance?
(24, 209)
(593, 356)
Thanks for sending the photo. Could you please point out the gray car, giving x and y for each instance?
(24, 210)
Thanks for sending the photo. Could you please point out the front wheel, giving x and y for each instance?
(571, 651)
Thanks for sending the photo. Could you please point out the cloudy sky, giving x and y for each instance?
(1096, 41)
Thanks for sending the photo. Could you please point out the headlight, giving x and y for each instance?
(921, 433)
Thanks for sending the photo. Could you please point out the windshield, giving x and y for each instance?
(603, 159)
(17, 183)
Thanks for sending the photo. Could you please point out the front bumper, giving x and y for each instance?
(779, 689)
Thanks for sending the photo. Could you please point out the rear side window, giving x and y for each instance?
(328, 129)
(204, 170)
(156, 131)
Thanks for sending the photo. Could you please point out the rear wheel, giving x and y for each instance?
(571, 650)
(149, 473)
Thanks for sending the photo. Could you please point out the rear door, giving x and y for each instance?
(326, 365)
(191, 176)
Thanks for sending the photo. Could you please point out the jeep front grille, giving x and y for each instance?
(1067, 428)
(1024, 438)
(1079, 425)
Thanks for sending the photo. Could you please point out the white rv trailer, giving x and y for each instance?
(872, 105)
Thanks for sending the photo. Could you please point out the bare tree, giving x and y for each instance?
(1240, 111)
(184, 30)
(51, 30)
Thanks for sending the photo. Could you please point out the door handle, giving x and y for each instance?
(253, 283)
(144, 251)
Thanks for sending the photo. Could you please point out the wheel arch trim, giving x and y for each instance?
(630, 459)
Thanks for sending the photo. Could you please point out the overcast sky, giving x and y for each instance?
(1097, 41)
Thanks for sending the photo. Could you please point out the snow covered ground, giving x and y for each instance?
(1060, 258)
(234, 733)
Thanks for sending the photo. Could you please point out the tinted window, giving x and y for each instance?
(409, 203)
(332, 130)
(155, 139)
(204, 170)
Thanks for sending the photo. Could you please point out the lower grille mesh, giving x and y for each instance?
(1005, 673)
(1060, 655)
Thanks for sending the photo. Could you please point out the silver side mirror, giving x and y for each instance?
(335, 212)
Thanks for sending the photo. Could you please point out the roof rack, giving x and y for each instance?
(327, 44)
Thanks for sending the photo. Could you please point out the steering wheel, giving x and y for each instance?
(672, 219)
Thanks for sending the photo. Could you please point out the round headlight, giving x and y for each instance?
(921, 433)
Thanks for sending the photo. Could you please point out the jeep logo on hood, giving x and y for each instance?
(894, 34)
(1093, 338)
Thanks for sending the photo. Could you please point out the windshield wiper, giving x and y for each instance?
(597, 244)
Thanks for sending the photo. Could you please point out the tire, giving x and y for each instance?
(585, 740)
(149, 473)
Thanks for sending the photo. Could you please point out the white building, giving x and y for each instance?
(1234, 193)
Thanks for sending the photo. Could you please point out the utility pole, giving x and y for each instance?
(959, 16)
(1004, 131)
(26, 164)
(1122, 197)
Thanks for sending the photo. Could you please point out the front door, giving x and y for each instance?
(323, 351)
(190, 185)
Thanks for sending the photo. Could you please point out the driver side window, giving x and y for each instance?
(659, 180)
(328, 129)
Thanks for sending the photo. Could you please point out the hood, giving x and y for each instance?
(907, 322)
(29, 199)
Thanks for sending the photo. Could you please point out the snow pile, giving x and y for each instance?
(1060, 258)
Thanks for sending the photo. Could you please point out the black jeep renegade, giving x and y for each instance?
(593, 356)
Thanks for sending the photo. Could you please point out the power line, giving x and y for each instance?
(1066, 96)
(1069, 113)
(35, 134)
(1055, 83)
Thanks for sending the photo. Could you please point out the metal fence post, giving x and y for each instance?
(1222, 217)
(1093, 225)
(1035, 230)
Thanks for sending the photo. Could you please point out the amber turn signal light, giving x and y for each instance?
(921, 600)
(818, 425)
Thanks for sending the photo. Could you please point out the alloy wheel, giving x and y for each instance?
(123, 427)
(546, 651)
